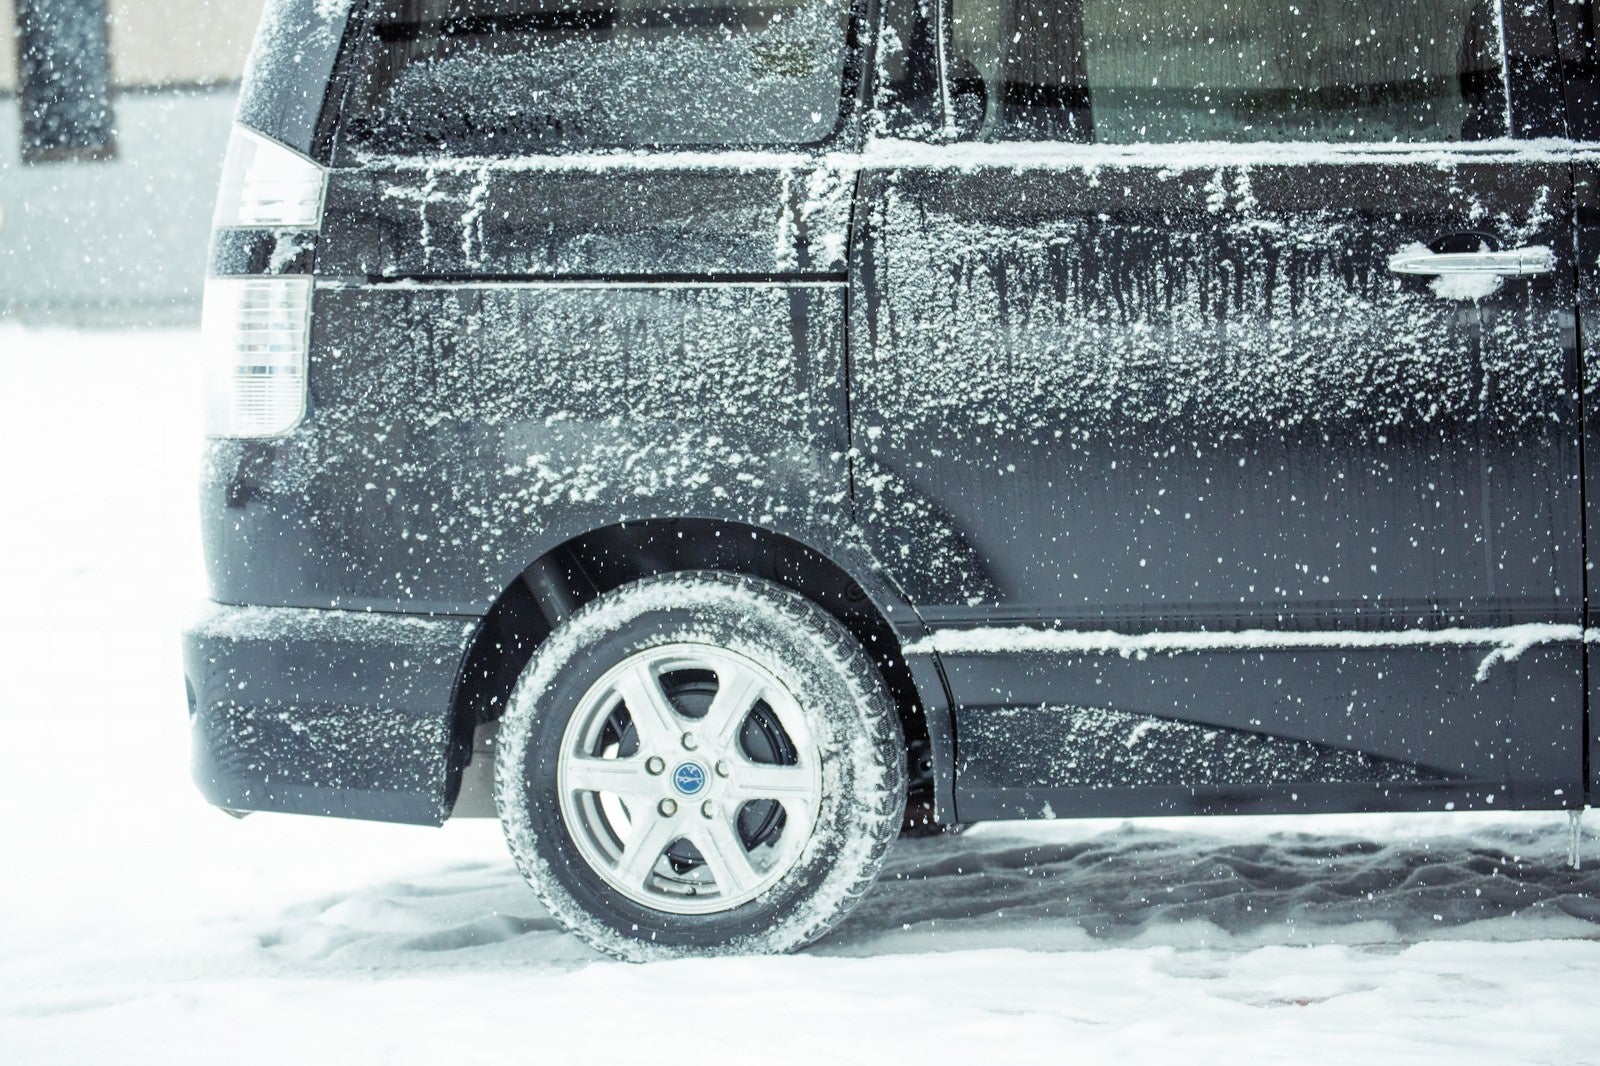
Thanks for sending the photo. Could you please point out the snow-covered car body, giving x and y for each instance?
(1161, 465)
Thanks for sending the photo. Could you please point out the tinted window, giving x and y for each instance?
(509, 76)
(1121, 71)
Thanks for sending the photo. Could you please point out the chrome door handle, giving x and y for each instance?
(1518, 262)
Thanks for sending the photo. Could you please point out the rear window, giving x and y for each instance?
(1127, 71)
(499, 77)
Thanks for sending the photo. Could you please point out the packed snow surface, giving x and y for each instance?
(139, 925)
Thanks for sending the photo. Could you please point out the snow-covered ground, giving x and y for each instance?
(137, 924)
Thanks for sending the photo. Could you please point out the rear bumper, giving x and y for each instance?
(338, 713)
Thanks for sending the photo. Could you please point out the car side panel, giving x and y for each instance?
(1161, 390)
(1578, 30)
(658, 216)
(457, 431)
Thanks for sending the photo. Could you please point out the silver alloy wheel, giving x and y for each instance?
(660, 801)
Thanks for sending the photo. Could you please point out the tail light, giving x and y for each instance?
(256, 328)
(267, 185)
(256, 332)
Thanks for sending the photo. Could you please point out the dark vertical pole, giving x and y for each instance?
(64, 68)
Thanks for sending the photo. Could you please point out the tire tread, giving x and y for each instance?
(881, 800)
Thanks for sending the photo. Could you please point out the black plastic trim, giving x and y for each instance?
(1032, 803)
(262, 251)
(337, 713)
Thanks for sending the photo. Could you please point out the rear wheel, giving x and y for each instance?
(700, 763)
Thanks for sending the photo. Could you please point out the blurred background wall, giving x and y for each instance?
(121, 240)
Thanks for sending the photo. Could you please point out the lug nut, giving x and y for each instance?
(708, 809)
(655, 764)
(722, 767)
(667, 807)
(689, 742)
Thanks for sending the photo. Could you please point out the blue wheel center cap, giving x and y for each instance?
(689, 778)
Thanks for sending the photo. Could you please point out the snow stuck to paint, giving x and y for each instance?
(286, 623)
(1473, 287)
(288, 247)
(614, 159)
(1132, 351)
(890, 152)
(1039, 302)
(592, 215)
(1507, 643)
(1056, 747)
(649, 402)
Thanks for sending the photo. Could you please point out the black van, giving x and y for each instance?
(716, 435)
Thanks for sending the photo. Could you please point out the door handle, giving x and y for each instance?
(1515, 263)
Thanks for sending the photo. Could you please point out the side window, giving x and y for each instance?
(500, 77)
(1129, 71)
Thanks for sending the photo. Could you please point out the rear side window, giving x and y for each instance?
(1128, 71)
(500, 77)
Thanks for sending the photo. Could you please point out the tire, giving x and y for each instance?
(700, 764)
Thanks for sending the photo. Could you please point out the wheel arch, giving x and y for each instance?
(854, 591)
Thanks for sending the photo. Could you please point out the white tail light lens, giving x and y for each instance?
(266, 184)
(256, 333)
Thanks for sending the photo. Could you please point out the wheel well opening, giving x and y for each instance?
(560, 582)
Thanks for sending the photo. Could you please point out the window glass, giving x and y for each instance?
(1121, 71)
(508, 76)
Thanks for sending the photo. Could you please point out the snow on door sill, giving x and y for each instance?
(1504, 643)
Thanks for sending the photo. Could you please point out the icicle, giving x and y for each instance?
(1575, 839)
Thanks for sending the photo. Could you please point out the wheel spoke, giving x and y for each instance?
(653, 717)
(796, 831)
(627, 809)
(753, 781)
(737, 692)
(650, 837)
(625, 777)
(724, 853)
